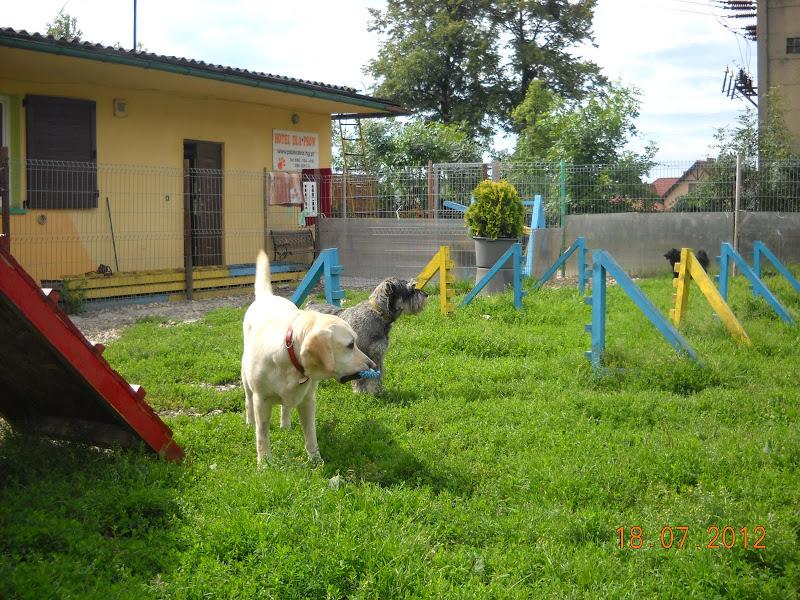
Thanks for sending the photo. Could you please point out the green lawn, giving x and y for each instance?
(496, 466)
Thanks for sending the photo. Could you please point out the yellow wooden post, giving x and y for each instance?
(681, 284)
(440, 262)
(446, 281)
(690, 269)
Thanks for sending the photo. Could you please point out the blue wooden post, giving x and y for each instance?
(537, 222)
(604, 264)
(722, 278)
(518, 291)
(327, 265)
(760, 248)
(514, 253)
(759, 289)
(598, 326)
(581, 265)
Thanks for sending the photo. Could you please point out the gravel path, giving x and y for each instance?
(105, 324)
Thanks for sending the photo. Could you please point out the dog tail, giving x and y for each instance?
(263, 284)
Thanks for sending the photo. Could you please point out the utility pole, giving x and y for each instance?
(134, 25)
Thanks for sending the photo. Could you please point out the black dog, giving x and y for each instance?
(674, 256)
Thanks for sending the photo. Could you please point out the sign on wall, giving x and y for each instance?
(294, 150)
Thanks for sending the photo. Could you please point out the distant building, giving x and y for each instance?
(686, 183)
(662, 184)
(778, 38)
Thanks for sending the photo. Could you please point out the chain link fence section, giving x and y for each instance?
(705, 185)
(112, 226)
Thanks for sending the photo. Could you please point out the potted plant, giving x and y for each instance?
(495, 219)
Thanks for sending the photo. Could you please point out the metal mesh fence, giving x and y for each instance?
(126, 230)
(82, 221)
(703, 185)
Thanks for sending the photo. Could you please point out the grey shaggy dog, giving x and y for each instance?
(372, 320)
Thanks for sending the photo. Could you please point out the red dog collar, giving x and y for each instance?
(292, 356)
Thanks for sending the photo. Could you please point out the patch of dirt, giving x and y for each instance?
(189, 412)
(103, 325)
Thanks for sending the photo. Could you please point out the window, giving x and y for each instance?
(793, 45)
(692, 187)
(62, 155)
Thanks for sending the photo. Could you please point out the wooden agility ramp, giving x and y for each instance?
(689, 269)
(54, 382)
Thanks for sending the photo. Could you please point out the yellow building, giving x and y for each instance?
(778, 35)
(108, 147)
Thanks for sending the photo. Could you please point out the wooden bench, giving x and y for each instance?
(292, 247)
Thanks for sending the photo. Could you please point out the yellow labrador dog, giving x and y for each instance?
(287, 352)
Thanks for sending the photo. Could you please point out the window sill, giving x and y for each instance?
(16, 210)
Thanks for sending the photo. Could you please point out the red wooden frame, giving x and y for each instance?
(41, 312)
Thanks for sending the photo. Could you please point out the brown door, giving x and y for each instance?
(205, 180)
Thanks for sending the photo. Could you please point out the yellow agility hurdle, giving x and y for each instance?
(689, 269)
(442, 263)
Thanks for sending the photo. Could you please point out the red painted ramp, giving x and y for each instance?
(54, 382)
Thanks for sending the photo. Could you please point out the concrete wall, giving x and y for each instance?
(638, 241)
(371, 249)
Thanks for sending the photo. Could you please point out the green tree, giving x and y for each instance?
(64, 27)
(472, 61)
(539, 35)
(437, 59)
(392, 143)
(590, 136)
(770, 169)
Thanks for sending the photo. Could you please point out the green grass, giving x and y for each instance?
(495, 466)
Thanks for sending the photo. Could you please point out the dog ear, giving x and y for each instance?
(318, 346)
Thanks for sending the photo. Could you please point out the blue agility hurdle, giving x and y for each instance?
(578, 245)
(603, 264)
(514, 253)
(759, 249)
(328, 266)
(728, 254)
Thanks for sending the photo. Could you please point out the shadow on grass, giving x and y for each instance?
(367, 452)
(77, 521)
(398, 397)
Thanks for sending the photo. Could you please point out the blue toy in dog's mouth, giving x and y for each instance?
(368, 374)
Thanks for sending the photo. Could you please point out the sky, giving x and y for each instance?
(674, 51)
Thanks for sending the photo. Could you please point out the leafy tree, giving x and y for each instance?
(590, 136)
(64, 27)
(770, 169)
(398, 152)
(438, 59)
(538, 37)
(392, 143)
(445, 58)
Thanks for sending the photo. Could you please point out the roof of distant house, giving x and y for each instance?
(662, 184)
(698, 164)
(184, 66)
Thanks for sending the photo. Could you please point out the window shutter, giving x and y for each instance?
(62, 152)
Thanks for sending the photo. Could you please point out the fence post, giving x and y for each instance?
(5, 197)
(187, 231)
(737, 198)
(496, 170)
(431, 199)
(562, 203)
